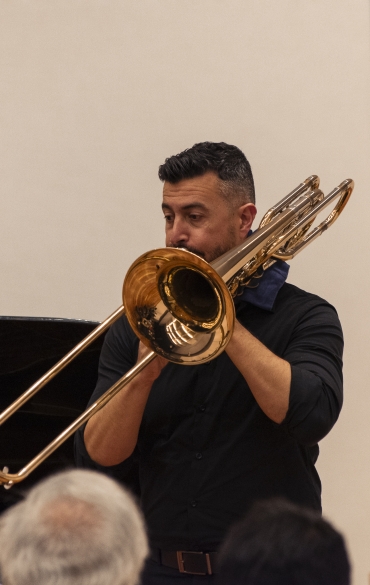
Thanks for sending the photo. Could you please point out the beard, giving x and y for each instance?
(215, 252)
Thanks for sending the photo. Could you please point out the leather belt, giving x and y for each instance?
(190, 562)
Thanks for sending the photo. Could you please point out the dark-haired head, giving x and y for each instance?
(226, 161)
(279, 543)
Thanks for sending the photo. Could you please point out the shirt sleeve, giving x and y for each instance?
(316, 394)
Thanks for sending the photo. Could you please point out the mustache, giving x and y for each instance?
(190, 249)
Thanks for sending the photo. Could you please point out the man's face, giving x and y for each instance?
(200, 220)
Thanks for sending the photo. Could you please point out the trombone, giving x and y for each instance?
(181, 307)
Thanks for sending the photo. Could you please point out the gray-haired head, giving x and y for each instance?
(77, 526)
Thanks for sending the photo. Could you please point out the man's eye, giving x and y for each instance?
(195, 216)
(168, 218)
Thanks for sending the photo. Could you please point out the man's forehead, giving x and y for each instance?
(199, 189)
(185, 204)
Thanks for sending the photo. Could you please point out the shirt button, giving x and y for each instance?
(198, 455)
(193, 504)
(202, 408)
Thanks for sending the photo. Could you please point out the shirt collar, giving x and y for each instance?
(263, 291)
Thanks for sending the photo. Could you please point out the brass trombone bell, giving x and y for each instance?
(181, 307)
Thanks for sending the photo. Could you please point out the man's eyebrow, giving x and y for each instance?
(189, 206)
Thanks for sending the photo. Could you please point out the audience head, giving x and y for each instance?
(279, 543)
(77, 527)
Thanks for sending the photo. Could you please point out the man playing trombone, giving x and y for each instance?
(210, 439)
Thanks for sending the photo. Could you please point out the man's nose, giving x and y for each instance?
(179, 233)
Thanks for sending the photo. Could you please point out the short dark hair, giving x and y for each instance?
(226, 161)
(279, 543)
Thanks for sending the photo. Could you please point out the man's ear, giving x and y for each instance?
(246, 213)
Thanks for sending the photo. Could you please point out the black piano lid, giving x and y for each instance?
(29, 346)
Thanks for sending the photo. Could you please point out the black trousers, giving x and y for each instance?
(156, 574)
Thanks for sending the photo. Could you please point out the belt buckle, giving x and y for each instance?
(181, 562)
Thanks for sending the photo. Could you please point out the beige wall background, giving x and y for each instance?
(94, 94)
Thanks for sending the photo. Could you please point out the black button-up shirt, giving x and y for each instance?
(205, 449)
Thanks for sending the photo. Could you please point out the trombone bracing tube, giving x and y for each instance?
(181, 307)
(9, 479)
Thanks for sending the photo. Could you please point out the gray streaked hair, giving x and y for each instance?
(77, 526)
(227, 161)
